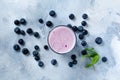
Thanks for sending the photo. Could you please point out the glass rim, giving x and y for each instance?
(57, 27)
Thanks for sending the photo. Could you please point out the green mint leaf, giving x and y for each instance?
(93, 55)
(93, 62)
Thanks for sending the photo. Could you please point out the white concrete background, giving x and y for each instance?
(104, 21)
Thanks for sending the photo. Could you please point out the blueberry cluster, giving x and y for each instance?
(98, 40)
(29, 31)
(36, 53)
(18, 31)
(17, 47)
(74, 60)
(22, 21)
(82, 33)
(37, 56)
(21, 42)
(49, 23)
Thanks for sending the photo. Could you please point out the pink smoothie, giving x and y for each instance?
(62, 39)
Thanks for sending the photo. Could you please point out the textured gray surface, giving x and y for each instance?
(104, 21)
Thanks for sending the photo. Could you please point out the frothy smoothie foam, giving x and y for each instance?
(62, 39)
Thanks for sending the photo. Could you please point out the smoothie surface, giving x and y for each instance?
(62, 39)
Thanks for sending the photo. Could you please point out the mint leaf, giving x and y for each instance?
(93, 56)
(93, 62)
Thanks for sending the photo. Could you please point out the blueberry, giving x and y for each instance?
(37, 58)
(41, 21)
(16, 47)
(49, 23)
(25, 51)
(35, 53)
(84, 16)
(23, 21)
(36, 34)
(17, 22)
(74, 62)
(70, 64)
(74, 28)
(40, 64)
(21, 42)
(52, 13)
(36, 47)
(23, 32)
(69, 25)
(17, 30)
(80, 28)
(83, 23)
(46, 47)
(71, 16)
(29, 31)
(83, 52)
(53, 61)
(85, 32)
(73, 57)
(98, 40)
(104, 59)
(84, 43)
(81, 36)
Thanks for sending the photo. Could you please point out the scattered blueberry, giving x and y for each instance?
(74, 62)
(41, 64)
(70, 64)
(83, 52)
(84, 43)
(98, 40)
(16, 47)
(17, 30)
(104, 59)
(84, 16)
(21, 42)
(23, 32)
(23, 21)
(83, 23)
(80, 28)
(52, 13)
(29, 31)
(69, 25)
(36, 34)
(17, 22)
(73, 56)
(49, 23)
(54, 62)
(46, 47)
(71, 16)
(36, 47)
(25, 51)
(81, 36)
(37, 58)
(41, 21)
(35, 53)
(85, 32)
(74, 28)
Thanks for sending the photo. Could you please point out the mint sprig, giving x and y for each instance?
(93, 56)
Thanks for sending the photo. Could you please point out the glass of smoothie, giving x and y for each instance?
(62, 39)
